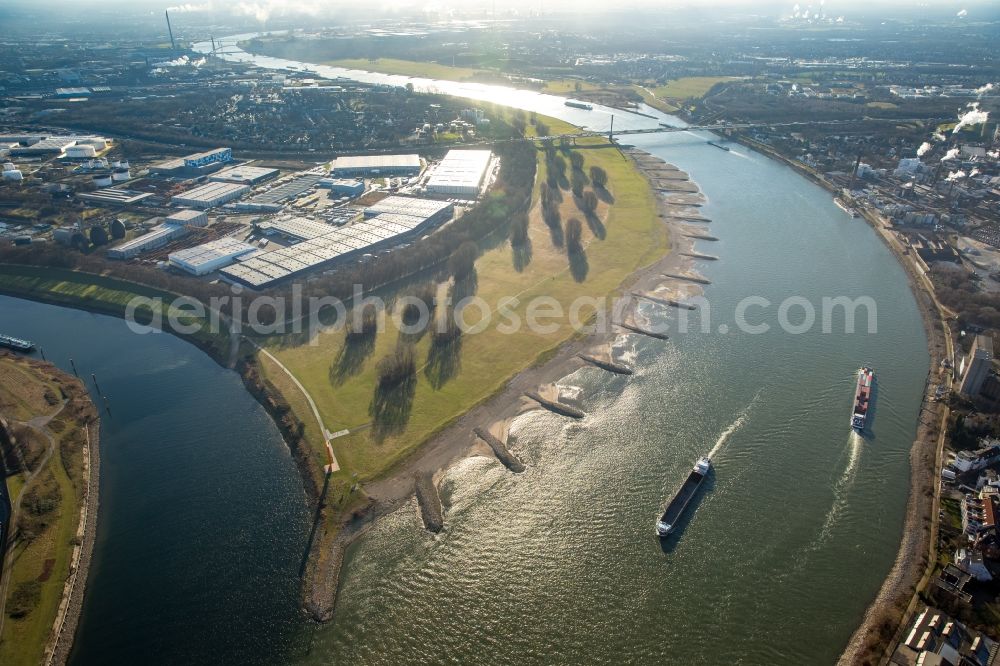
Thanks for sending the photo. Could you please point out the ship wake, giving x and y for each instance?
(733, 427)
(841, 490)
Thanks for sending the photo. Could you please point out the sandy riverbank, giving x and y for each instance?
(496, 414)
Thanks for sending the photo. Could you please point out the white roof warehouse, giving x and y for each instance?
(460, 172)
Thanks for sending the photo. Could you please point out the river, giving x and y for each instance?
(203, 521)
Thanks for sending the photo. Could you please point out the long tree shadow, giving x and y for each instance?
(578, 265)
(465, 287)
(357, 347)
(521, 255)
(604, 195)
(391, 407)
(444, 358)
(595, 225)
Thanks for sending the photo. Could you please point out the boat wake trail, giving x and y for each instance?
(733, 427)
(841, 489)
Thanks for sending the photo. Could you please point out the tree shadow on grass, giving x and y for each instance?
(521, 255)
(578, 265)
(465, 286)
(444, 359)
(391, 407)
(595, 225)
(357, 347)
(604, 195)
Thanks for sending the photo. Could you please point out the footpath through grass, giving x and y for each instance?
(342, 377)
(47, 522)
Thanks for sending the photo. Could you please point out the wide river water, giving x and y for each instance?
(203, 521)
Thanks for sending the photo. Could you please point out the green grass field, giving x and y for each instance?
(690, 87)
(568, 86)
(649, 98)
(97, 293)
(24, 638)
(487, 360)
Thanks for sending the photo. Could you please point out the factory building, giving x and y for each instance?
(158, 236)
(343, 187)
(461, 172)
(188, 217)
(211, 256)
(211, 195)
(245, 175)
(352, 166)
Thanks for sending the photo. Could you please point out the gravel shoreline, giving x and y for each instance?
(72, 604)
(458, 440)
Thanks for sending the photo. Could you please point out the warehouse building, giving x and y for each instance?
(188, 217)
(461, 172)
(288, 190)
(198, 164)
(343, 187)
(246, 175)
(338, 244)
(211, 256)
(429, 209)
(113, 196)
(352, 166)
(158, 236)
(211, 195)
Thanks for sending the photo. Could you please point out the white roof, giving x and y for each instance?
(460, 168)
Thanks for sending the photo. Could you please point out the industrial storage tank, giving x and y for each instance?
(81, 151)
(120, 175)
(102, 180)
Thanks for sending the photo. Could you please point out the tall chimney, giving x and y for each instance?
(854, 174)
(173, 46)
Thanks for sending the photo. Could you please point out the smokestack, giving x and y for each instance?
(173, 46)
(854, 174)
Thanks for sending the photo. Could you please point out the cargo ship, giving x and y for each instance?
(665, 525)
(719, 146)
(862, 398)
(17, 344)
(579, 105)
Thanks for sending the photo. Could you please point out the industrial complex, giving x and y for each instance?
(321, 244)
